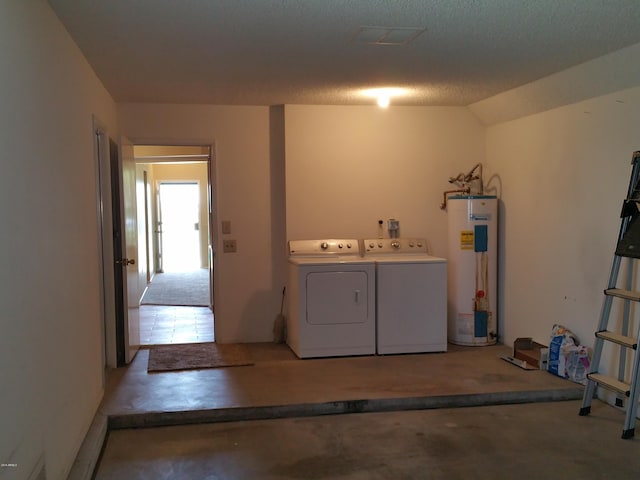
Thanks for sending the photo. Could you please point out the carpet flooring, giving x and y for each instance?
(189, 288)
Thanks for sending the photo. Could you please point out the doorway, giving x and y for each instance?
(179, 226)
(177, 306)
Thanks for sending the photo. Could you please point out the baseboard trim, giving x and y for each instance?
(86, 461)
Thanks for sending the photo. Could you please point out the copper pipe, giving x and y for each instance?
(463, 179)
(443, 205)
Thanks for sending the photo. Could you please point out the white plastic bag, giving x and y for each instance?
(567, 358)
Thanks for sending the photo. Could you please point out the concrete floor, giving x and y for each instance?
(528, 441)
(279, 384)
(278, 420)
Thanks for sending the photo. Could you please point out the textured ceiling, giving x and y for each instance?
(269, 52)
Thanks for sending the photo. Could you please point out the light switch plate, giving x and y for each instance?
(226, 227)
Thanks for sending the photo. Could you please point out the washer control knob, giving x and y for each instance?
(380, 245)
(411, 244)
(420, 244)
(395, 244)
(339, 245)
(371, 245)
(324, 245)
(348, 245)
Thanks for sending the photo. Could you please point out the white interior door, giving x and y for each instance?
(130, 247)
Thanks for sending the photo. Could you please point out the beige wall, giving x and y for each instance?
(564, 174)
(51, 352)
(188, 172)
(348, 167)
(561, 176)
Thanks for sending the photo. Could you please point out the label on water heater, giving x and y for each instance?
(466, 240)
(480, 217)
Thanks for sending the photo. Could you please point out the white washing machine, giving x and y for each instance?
(411, 296)
(330, 299)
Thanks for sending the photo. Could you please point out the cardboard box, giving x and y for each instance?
(534, 354)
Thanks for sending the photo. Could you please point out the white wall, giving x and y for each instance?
(51, 356)
(247, 284)
(348, 167)
(564, 174)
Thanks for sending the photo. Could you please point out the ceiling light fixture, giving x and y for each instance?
(383, 101)
(383, 96)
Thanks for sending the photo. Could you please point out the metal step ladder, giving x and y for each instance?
(628, 247)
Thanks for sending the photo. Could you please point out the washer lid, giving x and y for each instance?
(406, 259)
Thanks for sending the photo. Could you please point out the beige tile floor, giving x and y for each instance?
(161, 325)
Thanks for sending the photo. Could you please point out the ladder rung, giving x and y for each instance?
(611, 383)
(623, 340)
(626, 294)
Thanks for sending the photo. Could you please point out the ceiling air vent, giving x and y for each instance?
(386, 35)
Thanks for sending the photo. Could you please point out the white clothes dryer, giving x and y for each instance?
(411, 296)
(330, 299)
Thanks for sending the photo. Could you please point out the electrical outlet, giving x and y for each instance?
(229, 246)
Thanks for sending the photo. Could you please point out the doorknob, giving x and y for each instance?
(126, 261)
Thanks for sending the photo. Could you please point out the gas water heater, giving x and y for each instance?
(472, 260)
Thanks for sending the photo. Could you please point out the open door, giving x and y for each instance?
(125, 245)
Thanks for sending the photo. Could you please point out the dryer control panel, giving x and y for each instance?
(395, 245)
(329, 246)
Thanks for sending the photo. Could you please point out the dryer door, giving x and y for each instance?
(336, 298)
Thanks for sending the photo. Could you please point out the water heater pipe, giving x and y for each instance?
(443, 205)
(464, 181)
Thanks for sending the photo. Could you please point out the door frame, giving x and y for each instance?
(105, 243)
